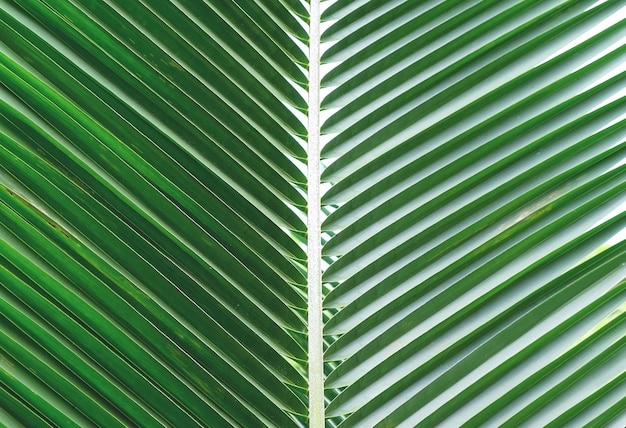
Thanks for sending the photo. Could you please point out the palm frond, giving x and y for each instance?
(151, 270)
(475, 152)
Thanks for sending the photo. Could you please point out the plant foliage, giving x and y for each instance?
(152, 213)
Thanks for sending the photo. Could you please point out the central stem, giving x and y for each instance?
(314, 246)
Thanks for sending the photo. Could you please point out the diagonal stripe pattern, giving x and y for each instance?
(151, 214)
(475, 151)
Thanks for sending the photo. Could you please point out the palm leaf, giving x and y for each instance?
(475, 151)
(151, 271)
(153, 207)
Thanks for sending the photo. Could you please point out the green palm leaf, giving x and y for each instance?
(153, 213)
(475, 150)
(148, 164)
